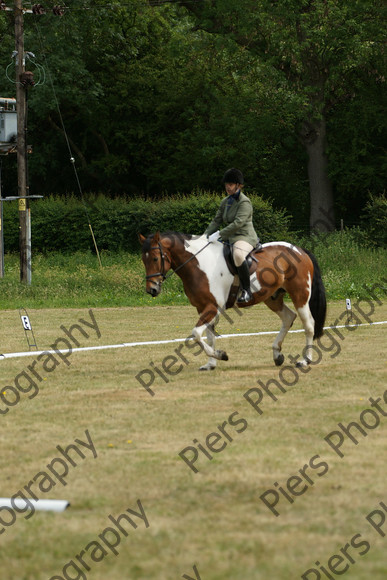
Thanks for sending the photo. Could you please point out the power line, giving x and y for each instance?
(72, 159)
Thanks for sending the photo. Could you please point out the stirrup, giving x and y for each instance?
(245, 296)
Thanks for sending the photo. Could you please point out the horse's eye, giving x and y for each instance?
(155, 259)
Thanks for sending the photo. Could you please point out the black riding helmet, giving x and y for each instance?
(233, 176)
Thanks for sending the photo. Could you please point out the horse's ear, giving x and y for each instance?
(141, 238)
(156, 237)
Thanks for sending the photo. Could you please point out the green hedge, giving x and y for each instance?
(62, 224)
(374, 220)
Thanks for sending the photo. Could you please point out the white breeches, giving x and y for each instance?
(240, 251)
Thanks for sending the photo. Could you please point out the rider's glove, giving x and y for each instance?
(213, 237)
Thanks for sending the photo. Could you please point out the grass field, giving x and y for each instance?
(213, 519)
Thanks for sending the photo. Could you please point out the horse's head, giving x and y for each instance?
(156, 260)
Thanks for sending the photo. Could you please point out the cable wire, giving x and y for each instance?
(72, 159)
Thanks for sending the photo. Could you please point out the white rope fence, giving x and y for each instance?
(172, 340)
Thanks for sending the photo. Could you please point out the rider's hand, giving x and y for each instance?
(213, 237)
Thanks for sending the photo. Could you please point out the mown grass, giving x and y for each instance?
(215, 518)
(76, 280)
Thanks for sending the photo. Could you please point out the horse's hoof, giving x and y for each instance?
(207, 367)
(303, 363)
(279, 360)
(220, 355)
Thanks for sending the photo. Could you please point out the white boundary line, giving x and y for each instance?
(52, 505)
(149, 342)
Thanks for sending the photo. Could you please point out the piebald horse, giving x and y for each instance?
(277, 269)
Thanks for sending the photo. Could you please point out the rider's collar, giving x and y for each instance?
(234, 196)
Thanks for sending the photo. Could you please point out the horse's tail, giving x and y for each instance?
(317, 301)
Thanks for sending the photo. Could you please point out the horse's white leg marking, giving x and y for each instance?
(208, 349)
(211, 364)
(197, 335)
(287, 316)
(308, 323)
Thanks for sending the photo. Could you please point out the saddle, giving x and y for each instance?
(250, 258)
(251, 261)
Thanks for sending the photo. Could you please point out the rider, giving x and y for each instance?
(236, 211)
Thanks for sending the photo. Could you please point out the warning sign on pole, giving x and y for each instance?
(30, 337)
(349, 309)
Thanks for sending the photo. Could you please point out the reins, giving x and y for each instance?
(189, 259)
(164, 257)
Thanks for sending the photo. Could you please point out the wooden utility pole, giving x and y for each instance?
(24, 206)
(1, 232)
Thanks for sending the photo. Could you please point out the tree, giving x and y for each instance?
(206, 118)
(102, 62)
(98, 58)
(357, 153)
(157, 99)
(149, 105)
(316, 45)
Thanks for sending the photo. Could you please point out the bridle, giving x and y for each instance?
(164, 258)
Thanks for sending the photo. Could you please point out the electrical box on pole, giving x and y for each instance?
(8, 138)
(8, 122)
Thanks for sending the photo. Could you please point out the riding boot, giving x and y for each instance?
(244, 277)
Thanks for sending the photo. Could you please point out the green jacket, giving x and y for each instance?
(239, 220)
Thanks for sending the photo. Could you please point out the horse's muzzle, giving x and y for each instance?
(154, 290)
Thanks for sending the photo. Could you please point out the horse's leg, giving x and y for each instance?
(211, 364)
(300, 300)
(207, 321)
(287, 316)
(308, 324)
(298, 284)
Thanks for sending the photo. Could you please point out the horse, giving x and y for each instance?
(277, 268)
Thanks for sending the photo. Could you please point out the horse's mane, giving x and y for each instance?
(171, 234)
(182, 237)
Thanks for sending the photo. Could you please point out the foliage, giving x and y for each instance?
(317, 44)
(356, 150)
(374, 220)
(63, 225)
(326, 53)
(153, 104)
(348, 263)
